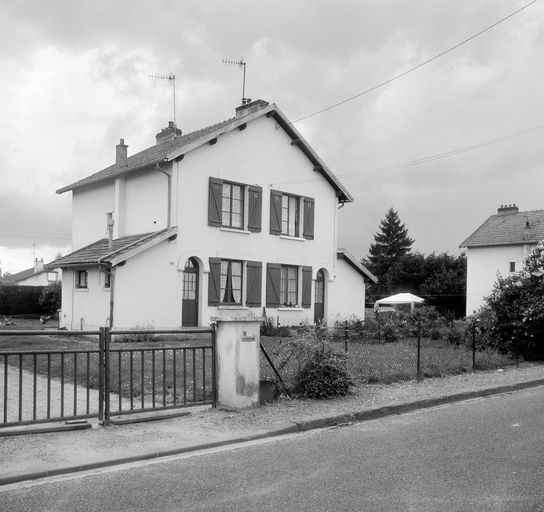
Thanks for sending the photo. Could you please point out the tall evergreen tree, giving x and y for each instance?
(391, 243)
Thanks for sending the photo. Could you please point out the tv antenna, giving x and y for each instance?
(241, 63)
(171, 78)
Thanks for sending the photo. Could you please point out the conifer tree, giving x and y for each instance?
(390, 244)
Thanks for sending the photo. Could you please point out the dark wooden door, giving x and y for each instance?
(319, 297)
(189, 316)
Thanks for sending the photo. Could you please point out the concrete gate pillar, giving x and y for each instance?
(238, 362)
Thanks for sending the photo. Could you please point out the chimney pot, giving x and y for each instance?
(249, 108)
(510, 209)
(168, 133)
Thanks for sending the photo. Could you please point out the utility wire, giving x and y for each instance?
(400, 75)
(425, 159)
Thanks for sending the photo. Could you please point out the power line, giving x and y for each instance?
(404, 73)
(425, 159)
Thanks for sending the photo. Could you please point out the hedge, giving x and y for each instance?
(20, 300)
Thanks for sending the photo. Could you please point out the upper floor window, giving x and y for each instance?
(81, 278)
(234, 205)
(290, 215)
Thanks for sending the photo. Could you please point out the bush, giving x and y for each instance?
(515, 310)
(137, 337)
(50, 298)
(325, 375)
(268, 328)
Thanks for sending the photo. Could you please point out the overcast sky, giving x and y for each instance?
(75, 79)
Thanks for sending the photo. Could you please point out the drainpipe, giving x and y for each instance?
(112, 281)
(169, 206)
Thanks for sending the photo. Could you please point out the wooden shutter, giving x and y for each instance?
(215, 198)
(273, 273)
(214, 282)
(309, 207)
(255, 206)
(275, 212)
(306, 287)
(254, 283)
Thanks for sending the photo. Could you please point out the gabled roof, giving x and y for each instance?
(509, 229)
(121, 249)
(13, 279)
(176, 147)
(342, 254)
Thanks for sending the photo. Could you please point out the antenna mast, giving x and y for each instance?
(171, 78)
(240, 62)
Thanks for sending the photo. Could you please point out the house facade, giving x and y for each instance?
(38, 275)
(498, 247)
(224, 221)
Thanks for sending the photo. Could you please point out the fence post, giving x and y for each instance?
(346, 336)
(214, 367)
(101, 348)
(474, 347)
(107, 384)
(419, 350)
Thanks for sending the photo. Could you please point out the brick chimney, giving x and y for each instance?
(121, 154)
(507, 209)
(38, 265)
(168, 133)
(249, 108)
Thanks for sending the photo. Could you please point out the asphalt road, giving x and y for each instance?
(484, 455)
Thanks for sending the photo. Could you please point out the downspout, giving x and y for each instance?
(169, 206)
(112, 281)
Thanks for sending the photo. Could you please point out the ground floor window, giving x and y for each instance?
(231, 282)
(289, 285)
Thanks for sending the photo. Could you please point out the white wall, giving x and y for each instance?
(87, 308)
(346, 296)
(483, 263)
(90, 206)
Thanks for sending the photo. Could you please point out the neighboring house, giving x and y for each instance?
(499, 246)
(39, 275)
(239, 218)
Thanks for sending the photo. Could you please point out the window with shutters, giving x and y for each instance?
(291, 215)
(234, 205)
(231, 282)
(289, 286)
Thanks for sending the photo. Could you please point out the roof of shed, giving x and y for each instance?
(342, 254)
(508, 229)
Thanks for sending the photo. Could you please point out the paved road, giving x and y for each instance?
(484, 455)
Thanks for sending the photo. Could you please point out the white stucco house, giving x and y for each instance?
(38, 275)
(227, 220)
(499, 246)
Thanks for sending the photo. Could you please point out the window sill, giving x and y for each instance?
(295, 238)
(233, 307)
(285, 308)
(234, 230)
(81, 289)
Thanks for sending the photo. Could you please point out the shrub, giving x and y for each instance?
(325, 375)
(390, 332)
(138, 337)
(515, 310)
(50, 298)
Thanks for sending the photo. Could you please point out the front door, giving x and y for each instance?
(319, 299)
(189, 315)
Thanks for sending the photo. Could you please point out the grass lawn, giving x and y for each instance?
(372, 362)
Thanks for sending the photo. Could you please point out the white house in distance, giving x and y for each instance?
(223, 221)
(38, 275)
(499, 246)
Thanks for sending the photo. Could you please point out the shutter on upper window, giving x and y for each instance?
(254, 283)
(273, 273)
(255, 206)
(306, 287)
(309, 207)
(275, 212)
(214, 282)
(215, 197)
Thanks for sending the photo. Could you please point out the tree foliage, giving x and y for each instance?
(391, 242)
(515, 309)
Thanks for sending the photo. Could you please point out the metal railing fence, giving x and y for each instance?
(113, 374)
